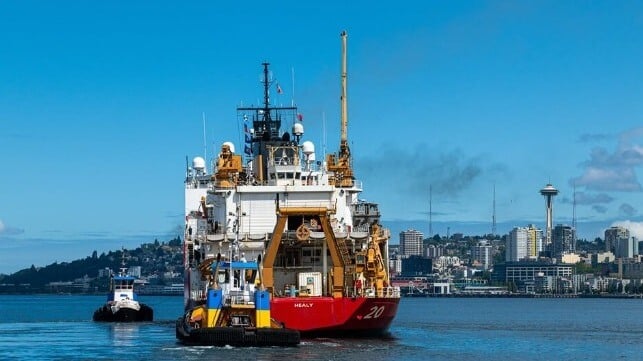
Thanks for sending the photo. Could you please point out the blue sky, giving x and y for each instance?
(100, 103)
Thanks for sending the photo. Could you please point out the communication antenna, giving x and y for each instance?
(574, 215)
(430, 211)
(205, 144)
(493, 218)
(324, 133)
(292, 74)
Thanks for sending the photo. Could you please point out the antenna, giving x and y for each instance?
(205, 144)
(324, 133)
(430, 211)
(493, 218)
(574, 216)
(292, 74)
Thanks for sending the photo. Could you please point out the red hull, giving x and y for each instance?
(333, 316)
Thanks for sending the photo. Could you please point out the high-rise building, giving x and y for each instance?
(395, 265)
(483, 253)
(433, 251)
(517, 245)
(411, 242)
(534, 241)
(625, 248)
(613, 235)
(563, 240)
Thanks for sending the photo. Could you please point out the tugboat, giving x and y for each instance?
(236, 311)
(122, 302)
(325, 252)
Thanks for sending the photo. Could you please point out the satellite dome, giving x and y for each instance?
(229, 144)
(198, 163)
(298, 129)
(308, 147)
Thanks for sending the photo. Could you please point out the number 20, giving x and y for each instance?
(376, 312)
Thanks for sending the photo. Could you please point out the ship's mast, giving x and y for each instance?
(266, 86)
(344, 105)
(340, 165)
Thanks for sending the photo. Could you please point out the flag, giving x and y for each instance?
(248, 138)
(300, 117)
(245, 128)
(247, 150)
(279, 91)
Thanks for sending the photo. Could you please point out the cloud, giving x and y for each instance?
(614, 171)
(605, 179)
(635, 228)
(6, 230)
(591, 138)
(448, 172)
(583, 198)
(599, 208)
(433, 213)
(627, 210)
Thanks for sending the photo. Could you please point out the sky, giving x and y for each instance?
(101, 103)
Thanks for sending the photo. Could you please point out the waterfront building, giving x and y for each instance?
(523, 274)
(411, 242)
(416, 266)
(543, 284)
(613, 235)
(134, 271)
(395, 265)
(563, 240)
(628, 268)
(104, 272)
(441, 288)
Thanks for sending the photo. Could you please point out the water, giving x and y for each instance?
(54, 327)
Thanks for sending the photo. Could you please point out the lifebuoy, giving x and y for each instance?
(303, 233)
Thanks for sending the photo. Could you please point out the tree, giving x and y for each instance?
(582, 267)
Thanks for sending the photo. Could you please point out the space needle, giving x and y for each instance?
(549, 192)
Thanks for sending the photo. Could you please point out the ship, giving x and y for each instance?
(324, 250)
(236, 311)
(122, 301)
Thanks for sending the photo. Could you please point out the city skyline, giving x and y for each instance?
(102, 103)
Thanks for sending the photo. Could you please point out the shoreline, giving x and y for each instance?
(521, 295)
(452, 295)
